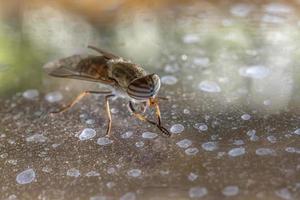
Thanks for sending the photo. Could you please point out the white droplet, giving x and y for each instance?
(202, 61)
(73, 172)
(210, 146)
(31, 94)
(149, 135)
(87, 133)
(186, 111)
(267, 102)
(255, 72)
(169, 80)
(139, 144)
(92, 173)
(185, 143)
(191, 151)
(241, 10)
(201, 126)
(284, 193)
(278, 8)
(246, 116)
(134, 172)
(190, 38)
(192, 176)
(114, 110)
(230, 190)
(128, 196)
(98, 198)
(171, 68)
(238, 142)
(26, 176)
(297, 131)
(197, 192)
(36, 138)
(127, 134)
(209, 86)
(290, 149)
(177, 128)
(264, 151)
(53, 97)
(104, 141)
(237, 151)
(111, 170)
(90, 121)
(271, 139)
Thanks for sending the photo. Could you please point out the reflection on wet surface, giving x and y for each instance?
(232, 78)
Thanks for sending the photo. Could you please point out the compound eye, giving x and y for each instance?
(145, 87)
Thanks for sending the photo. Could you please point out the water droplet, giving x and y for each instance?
(31, 94)
(290, 149)
(240, 10)
(92, 173)
(237, 151)
(201, 126)
(53, 97)
(209, 86)
(87, 133)
(201, 61)
(271, 139)
(128, 196)
(190, 38)
(246, 116)
(191, 151)
(127, 134)
(177, 128)
(238, 142)
(277, 8)
(192, 176)
(139, 144)
(284, 193)
(264, 151)
(230, 190)
(26, 176)
(104, 141)
(185, 143)
(149, 135)
(90, 121)
(210, 146)
(134, 172)
(255, 72)
(73, 172)
(98, 198)
(186, 111)
(297, 131)
(36, 138)
(197, 192)
(267, 102)
(169, 80)
(114, 110)
(171, 68)
(111, 170)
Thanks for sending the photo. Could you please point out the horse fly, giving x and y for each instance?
(123, 78)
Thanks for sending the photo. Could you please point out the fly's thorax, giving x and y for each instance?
(124, 72)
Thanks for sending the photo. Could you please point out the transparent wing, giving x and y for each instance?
(84, 67)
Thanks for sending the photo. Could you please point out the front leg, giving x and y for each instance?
(143, 118)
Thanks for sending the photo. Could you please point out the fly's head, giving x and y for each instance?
(144, 88)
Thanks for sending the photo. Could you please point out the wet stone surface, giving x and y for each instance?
(233, 111)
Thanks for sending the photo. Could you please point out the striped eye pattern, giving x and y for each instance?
(145, 87)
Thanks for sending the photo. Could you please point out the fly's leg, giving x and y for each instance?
(143, 118)
(108, 130)
(78, 98)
